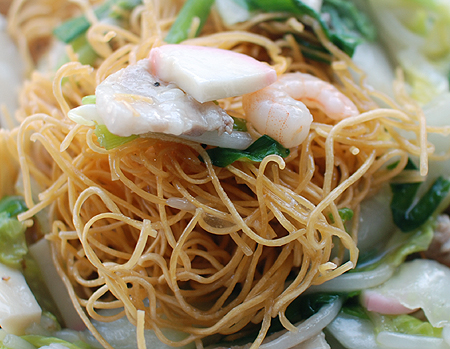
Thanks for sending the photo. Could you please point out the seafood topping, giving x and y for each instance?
(281, 109)
(133, 101)
(208, 73)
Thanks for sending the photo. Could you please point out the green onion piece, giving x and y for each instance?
(84, 50)
(110, 141)
(73, 28)
(346, 214)
(256, 152)
(91, 99)
(181, 27)
(239, 124)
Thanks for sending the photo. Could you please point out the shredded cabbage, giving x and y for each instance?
(415, 32)
(421, 284)
(354, 332)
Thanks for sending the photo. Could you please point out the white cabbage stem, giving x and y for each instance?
(356, 281)
(397, 340)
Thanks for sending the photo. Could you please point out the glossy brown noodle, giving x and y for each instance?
(174, 241)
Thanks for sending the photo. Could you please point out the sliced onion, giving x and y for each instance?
(85, 115)
(235, 140)
(355, 281)
(307, 329)
(409, 341)
(316, 342)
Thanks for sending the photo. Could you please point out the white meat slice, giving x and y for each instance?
(133, 101)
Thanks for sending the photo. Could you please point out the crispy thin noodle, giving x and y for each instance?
(140, 326)
(154, 231)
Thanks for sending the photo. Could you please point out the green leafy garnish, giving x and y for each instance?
(256, 152)
(110, 141)
(408, 215)
(348, 23)
(181, 27)
(347, 26)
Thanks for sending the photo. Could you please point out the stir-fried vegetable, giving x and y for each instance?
(73, 30)
(77, 26)
(184, 24)
(261, 148)
(341, 21)
(409, 214)
(13, 245)
(415, 35)
(108, 140)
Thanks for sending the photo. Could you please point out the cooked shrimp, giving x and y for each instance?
(281, 109)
